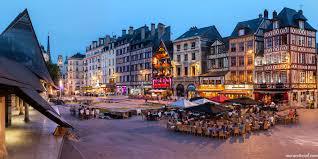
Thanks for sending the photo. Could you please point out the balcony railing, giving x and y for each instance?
(272, 86)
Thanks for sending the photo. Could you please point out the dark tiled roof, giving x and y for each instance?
(225, 40)
(250, 27)
(288, 18)
(214, 74)
(23, 46)
(210, 32)
(78, 56)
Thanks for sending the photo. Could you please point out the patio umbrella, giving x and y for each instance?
(183, 103)
(203, 100)
(208, 108)
(220, 98)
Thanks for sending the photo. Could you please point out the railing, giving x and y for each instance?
(272, 86)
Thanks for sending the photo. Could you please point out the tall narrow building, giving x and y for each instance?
(287, 72)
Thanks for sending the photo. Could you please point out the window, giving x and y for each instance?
(221, 62)
(275, 25)
(185, 46)
(178, 58)
(241, 61)
(212, 62)
(233, 61)
(249, 76)
(178, 47)
(241, 46)
(186, 71)
(284, 39)
(293, 39)
(178, 71)
(283, 77)
(185, 57)
(301, 24)
(302, 77)
(241, 32)
(241, 76)
(233, 76)
(250, 44)
(269, 43)
(193, 56)
(249, 60)
(276, 41)
(310, 42)
(193, 45)
(302, 58)
(284, 57)
(233, 47)
(193, 70)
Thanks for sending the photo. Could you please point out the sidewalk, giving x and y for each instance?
(33, 140)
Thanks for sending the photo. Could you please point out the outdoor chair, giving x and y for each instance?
(256, 127)
(243, 132)
(207, 132)
(266, 126)
(236, 131)
(193, 130)
(214, 134)
(222, 135)
(199, 131)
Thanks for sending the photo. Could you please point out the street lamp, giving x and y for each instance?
(60, 86)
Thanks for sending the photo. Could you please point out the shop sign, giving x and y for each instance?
(161, 83)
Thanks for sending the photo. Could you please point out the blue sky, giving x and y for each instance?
(73, 24)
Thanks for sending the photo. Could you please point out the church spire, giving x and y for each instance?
(48, 47)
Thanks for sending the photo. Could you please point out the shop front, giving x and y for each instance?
(191, 91)
(121, 90)
(233, 91)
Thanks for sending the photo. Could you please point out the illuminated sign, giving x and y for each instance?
(161, 83)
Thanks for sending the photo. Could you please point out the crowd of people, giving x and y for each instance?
(236, 122)
(84, 112)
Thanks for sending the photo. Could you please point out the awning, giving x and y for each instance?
(38, 103)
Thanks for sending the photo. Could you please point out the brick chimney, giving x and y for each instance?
(143, 32)
(265, 14)
(153, 29)
(131, 30)
(161, 30)
(123, 32)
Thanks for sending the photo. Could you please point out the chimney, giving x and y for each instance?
(153, 29)
(131, 30)
(300, 11)
(123, 32)
(143, 32)
(274, 14)
(107, 39)
(260, 16)
(161, 29)
(265, 14)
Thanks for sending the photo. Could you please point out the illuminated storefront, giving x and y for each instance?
(161, 72)
(238, 90)
(211, 84)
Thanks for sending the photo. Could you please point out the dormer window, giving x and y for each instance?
(275, 25)
(241, 32)
(301, 24)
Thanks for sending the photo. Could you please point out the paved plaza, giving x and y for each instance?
(33, 140)
(135, 139)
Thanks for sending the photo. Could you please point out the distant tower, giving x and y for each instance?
(48, 47)
(60, 61)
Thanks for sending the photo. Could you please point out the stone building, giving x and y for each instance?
(190, 52)
(287, 71)
(245, 42)
(75, 74)
(133, 58)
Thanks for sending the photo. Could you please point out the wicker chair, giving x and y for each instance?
(222, 134)
(248, 128)
(199, 131)
(236, 131)
(206, 132)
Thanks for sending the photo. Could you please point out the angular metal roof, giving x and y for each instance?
(19, 43)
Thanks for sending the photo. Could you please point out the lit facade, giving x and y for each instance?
(245, 42)
(75, 74)
(287, 71)
(190, 52)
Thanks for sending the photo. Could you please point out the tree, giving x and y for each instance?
(54, 71)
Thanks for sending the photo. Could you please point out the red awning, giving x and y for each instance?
(219, 99)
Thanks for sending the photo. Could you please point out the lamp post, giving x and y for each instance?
(60, 87)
